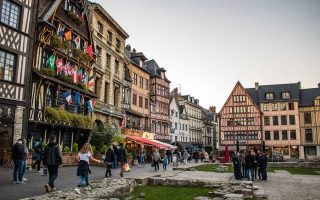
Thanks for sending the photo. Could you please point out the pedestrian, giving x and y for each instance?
(115, 151)
(52, 159)
(122, 158)
(185, 156)
(142, 155)
(249, 165)
(26, 152)
(109, 159)
(255, 165)
(243, 164)
(156, 159)
(201, 156)
(37, 154)
(262, 163)
(18, 156)
(169, 155)
(236, 165)
(196, 156)
(84, 156)
(165, 162)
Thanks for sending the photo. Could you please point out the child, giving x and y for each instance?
(84, 156)
(165, 162)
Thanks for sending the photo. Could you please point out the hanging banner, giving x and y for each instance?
(50, 62)
(67, 96)
(68, 35)
(59, 65)
(89, 50)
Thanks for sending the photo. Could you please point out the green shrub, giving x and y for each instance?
(118, 138)
(66, 45)
(75, 148)
(93, 149)
(82, 86)
(66, 149)
(103, 149)
(76, 53)
(56, 42)
(47, 71)
(65, 116)
(52, 113)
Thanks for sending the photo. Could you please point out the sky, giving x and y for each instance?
(206, 46)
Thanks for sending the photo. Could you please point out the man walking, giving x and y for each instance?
(18, 157)
(52, 159)
(109, 159)
(122, 158)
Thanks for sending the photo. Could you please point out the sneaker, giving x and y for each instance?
(21, 182)
(88, 187)
(48, 188)
(15, 182)
(77, 190)
(24, 179)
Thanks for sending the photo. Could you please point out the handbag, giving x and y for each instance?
(125, 167)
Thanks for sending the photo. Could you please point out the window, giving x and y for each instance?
(274, 106)
(284, 135)
(146, 84)
(176, 126)
(267, 135)
(293, 135)
(106, 92)
(109, 37)
(100, 27)
(291, 106)
(308, 133)
(135, 78)
(116, 67)
(276, 135)
(239, 98)
(283, 120)
(292, 120)
(275, 120)
(50, 97)
(146, 103)
(10, 14)
(7, 65)
(285, 95)
(269, 95)
(265, 107)
(307, 118)
(267, 121)
(118, 43)
(108, 61)
(134, 99)
(283, 106)
(140, 102)
(141, 82)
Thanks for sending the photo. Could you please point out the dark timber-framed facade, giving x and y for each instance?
(240, 120)
(16, 44)
(63, 34)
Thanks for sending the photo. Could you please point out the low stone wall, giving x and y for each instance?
(105, 189)
(315, 165)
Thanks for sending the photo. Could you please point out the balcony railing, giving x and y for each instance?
(99, 105)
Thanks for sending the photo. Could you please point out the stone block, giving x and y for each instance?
(202, 198)
(233, 197)
(259, 194)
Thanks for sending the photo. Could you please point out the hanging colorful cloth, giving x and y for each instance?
(80, 74)
(91, 81)
(65, 69)
(90, 105)
(77, 42)
(59, 65)
(67, 96)
(68, 35)
(84, 77)
(61, 32)
(74, 74)
(77, 98)
(50, 62)
(89, 50)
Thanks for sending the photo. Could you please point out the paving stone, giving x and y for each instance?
(234, 197)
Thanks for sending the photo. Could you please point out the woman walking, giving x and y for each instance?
(155, 159)
(109, 159)
(84, 156)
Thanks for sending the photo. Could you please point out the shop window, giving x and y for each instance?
(310, 150)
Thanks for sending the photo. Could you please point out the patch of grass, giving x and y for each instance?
(215, 168)
(169, 192)
(300, 171)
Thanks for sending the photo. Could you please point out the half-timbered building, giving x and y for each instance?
(159, 100)
(62, 98)
(16, 44)
(240, 121)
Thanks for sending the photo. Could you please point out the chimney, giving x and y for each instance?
(256, 86)
(299, 84)
(134, 50)
(128, 47)
(212, 109)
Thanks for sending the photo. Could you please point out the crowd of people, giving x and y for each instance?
(251, 165)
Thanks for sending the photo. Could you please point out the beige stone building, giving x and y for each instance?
(109, 40)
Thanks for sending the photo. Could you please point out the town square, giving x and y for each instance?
(170, 99)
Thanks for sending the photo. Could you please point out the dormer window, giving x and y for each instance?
(285, 95)
(269, 96)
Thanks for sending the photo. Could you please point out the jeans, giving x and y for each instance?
(250, 174)
(83, 178)
(108, 171)
(115, 163)
(142, 160)
(18, 170)
(24, 167)
(53, 174)
(165, 166)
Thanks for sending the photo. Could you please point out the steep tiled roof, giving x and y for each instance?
(307, 96)
(153, 67)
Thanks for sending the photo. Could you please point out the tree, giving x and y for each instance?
(102, 136)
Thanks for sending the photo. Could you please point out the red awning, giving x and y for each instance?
(146, 141)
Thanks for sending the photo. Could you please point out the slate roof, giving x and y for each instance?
(129, 57)
(182, 116)
(154, 69)
(277, 89)
(308, 96)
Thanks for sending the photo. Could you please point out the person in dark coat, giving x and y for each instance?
(18, 157)
(52, 159)
(249, 159)
(169, 155)
(196, 156)
(262, 164)
(122, 158)
(109, 159)
(37, 154)
(115, 152)
(236, 165)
